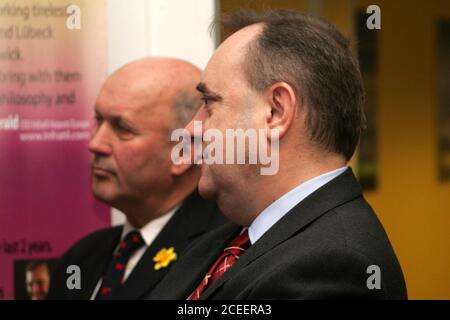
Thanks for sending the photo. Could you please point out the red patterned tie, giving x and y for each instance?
(236, 248)
(113, 278)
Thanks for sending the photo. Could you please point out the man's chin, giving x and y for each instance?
(103, 195)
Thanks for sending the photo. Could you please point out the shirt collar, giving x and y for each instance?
(151, 229)
(274, 212)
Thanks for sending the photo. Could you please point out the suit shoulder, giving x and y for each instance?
(360, 226)
(354, 228)
(93, 239)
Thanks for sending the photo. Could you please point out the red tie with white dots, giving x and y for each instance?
(229, 256)
(113, 278)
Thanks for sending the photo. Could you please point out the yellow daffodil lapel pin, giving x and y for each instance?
(164, 257)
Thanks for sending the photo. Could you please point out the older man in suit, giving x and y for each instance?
(305, 232)
(136, 110)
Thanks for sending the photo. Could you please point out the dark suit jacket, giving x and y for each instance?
(321, 249)
(94, 252)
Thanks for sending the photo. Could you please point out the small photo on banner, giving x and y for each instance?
(32, 278)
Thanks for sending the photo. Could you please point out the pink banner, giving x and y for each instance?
(52, 64)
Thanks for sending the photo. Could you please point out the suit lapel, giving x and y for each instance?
(97, 262)
(340, 190)
(144, 276)
(194, 267)
(190, 221)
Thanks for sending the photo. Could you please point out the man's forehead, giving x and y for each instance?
(114, 110)
(236, 44)
(118, 101)
(124, 89)
(114, 104)
(227, 60)
(138, 112)
(223, 66)
(220, 75)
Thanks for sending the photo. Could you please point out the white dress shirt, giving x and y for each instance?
(149, 232)
(269, 216)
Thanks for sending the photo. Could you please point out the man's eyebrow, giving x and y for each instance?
(114, 118)
(203, 88)
(119, 119)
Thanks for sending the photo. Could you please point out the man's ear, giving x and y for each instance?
(283, 107)
(182, 154)
(178, 169)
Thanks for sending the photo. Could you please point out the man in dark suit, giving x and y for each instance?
(137, 109)
(305, 232)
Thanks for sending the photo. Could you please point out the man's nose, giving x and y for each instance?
(100, 142)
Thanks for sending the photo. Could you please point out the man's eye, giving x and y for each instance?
(122, 129)
(124, 132)
(98, 120)
(207, 100)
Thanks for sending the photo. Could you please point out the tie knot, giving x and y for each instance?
(239, 244)
(132, 241)
(114, 275)
(229, 256)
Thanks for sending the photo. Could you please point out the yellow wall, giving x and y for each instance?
(411, 202)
